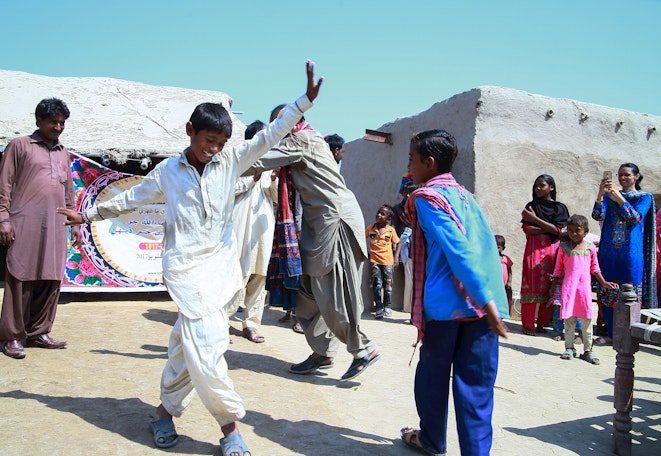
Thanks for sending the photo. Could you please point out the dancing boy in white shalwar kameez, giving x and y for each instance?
(199, 243)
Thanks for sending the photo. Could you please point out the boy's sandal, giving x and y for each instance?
(252, 336)
(590, 358)
(410, 437)
(568, 354)
(165, 435)
(234, 444)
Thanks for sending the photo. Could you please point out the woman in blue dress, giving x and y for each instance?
(626, 248)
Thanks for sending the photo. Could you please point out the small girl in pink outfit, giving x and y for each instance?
(577, 259)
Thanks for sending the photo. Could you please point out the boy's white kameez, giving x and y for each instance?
(200, 263)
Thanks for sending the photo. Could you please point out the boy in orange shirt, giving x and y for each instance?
(382, 240)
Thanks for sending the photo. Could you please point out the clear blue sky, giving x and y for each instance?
(381, 59)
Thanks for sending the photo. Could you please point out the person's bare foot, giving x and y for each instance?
(252, 336)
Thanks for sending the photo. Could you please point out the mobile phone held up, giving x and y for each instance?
(608, 175)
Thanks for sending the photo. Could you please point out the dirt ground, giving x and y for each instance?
(97, 396)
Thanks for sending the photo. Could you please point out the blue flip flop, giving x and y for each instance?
(165, 435)
(234, 443)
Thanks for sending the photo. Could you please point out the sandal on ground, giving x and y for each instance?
(234, 444)
(297, 328)
(410, 437)
(602, 341)
(590, 358)
(314, 362)
(252, 336)
(528, 332)
(541, 330)
(568, 354)
(285, 318)
(360, 364)
(165, 435)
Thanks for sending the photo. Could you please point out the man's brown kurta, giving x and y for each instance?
(34, 181)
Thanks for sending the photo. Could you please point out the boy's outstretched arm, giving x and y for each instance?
(73, 217)
(313, 87)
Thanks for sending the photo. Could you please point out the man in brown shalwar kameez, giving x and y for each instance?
(35, 179)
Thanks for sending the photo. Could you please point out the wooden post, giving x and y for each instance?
(625, 313)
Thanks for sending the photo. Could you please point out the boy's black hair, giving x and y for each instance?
(438, 144)
(253, 129)
(276, 110)
(410, 188)
(579, 220)
(334, 141)
(500, 240)
(50, 107)
(211, 116)
(635, 170)
(549, 180)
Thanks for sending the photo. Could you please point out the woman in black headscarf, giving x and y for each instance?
(542, 220)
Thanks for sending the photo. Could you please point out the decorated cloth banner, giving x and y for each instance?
(118, 254)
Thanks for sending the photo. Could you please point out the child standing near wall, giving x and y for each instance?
(506, 263)
(577, 260)
(382, 241)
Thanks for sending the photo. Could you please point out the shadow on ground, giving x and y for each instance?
(594, 434)
(317, 438)
(119, 416)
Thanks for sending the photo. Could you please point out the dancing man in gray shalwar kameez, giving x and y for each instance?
(329, 303)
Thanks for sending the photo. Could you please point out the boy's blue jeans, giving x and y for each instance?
(382, 283)
(470, 351)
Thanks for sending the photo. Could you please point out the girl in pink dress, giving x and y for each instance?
(577, 260)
